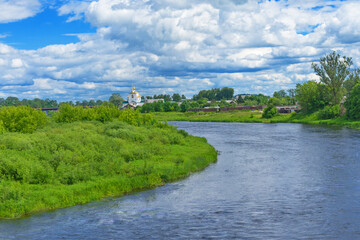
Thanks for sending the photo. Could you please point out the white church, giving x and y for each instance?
(133, 100)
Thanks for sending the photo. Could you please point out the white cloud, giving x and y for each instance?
(16, 63)
(185, 46)
(15, 10)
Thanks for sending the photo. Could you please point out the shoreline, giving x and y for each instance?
(253, 117)
(95, 161)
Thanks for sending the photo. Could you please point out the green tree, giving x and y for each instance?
(280, 94)
(185, 105)
(333, 71)
(352, 104)
(291, 93)
(176, 97)
(354, 78)
(275, 101)
(240, 100)
(270, 111)
(312, 96)
(116, 99)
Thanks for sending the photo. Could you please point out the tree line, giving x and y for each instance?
(338, 91)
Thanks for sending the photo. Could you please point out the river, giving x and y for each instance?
(271, 181)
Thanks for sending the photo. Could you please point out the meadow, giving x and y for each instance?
(69, 160)
(253, 117)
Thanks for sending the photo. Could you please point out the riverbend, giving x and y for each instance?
(271, 181)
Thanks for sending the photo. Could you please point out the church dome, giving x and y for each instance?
(135, 92)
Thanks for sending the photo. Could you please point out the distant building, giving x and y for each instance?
(154, 100)
(134, 97)
(133, 100)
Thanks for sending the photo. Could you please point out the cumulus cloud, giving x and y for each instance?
(15, 10)
(184, 46)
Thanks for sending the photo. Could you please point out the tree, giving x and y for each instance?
(291, 93)
(333, 71)
(240, 100)
(116, 99)
(270, 111)
(275, 101)
(183, 97)
(312, 96)
(225, 93)
(354, 78)
(280, 94)
(352, 104)
(185, 105)
(176, 97)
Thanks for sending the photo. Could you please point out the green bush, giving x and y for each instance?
(329, 112)
(21, 119)
(68, 114)
(353, 103)
(269, 112)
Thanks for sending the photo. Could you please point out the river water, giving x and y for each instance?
(271, 181)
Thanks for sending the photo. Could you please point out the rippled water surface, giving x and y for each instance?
(271, 181)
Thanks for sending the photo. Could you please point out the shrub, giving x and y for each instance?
(353, 103)
(269, 112)
(68, 114)
(2, 127)
(21, 119)
(329, 112)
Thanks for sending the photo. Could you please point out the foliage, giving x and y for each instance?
(283, 98)
(275, 101)
(176, 97)
(269, 112)
(116, 99)
(215, 94)
(312, 96)
(21, 119)
(254, 99)
(185, 105)
(280, 94)
(254, 117)
(67, 164)
(353, 79)
(333, 71)
(352, 104)
(329, 112)
(160, 107)
(165, 97)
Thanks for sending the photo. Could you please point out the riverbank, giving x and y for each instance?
(65, 164)
(251, 117)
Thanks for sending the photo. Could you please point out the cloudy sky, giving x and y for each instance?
(74, 50)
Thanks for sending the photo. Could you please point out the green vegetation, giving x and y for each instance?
(333, 71)
(269, 112)
(215, 94)
(353, 103)
(254, 117)
(83, 155)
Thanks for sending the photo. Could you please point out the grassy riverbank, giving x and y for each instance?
(65, 164)
(252, 117)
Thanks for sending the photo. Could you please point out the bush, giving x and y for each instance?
(68, 114)
(269, 112)
(21, 119)
(329, 112)
(353, 103)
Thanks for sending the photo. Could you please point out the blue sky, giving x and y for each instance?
(74, 50)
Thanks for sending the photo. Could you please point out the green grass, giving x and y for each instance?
(66, 164)
(252, 117)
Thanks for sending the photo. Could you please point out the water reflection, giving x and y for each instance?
(271, 181)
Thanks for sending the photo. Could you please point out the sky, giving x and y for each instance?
(75, 50)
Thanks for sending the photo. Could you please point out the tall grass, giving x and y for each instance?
(65, 164)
